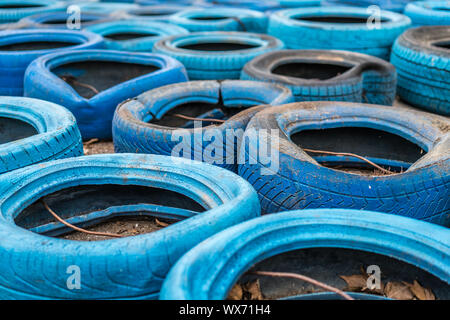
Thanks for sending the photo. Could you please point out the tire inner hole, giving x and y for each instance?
(320, 71)
(87, 77)
(36, 45)
(199, 111)
(444, 44)
(19, 6)
(218, 46)
(327, 265)
(392, 152)
(336, 19)
(123, 36)
(64, 21)
(13, 130)
(209, 18)
(84, 200)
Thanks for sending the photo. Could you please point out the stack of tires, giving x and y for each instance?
(218, 111)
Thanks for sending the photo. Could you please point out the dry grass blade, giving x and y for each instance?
(102, 234)
(304, 278)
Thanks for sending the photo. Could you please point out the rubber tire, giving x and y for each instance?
(299, 3)
(58, 136)
(427, 13)
(131, 267)
(216, 65)
(423, 69)
(133, 132)
(298, 34)
(258, 5)
(421, 192)
(390, 5)
(106, 7)
(14, 63)
(156, 31)
(370, 79)
(210, 269)
(41, 20)
(13, 15)
(41, 83)
(158, 12)
(234, 19)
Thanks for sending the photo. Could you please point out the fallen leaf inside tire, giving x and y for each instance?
(254, 291)
(420, 292)
(398, 291)
(355, 282)
(235, 293)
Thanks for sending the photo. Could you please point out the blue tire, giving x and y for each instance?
(422, 59)
(106, 7)
(419, 189)
(340, 28)
(117, 75)
(221, 19)
(16, 52)
(319, 75)
(216, 55)
(423, 13)
(391, 5)
(209, 270)
(134, 35)
(299, 3)
(134, 132)
(33, 131)
(14, 10)
(132, 267)
(258, 5)
(157, 12)
(59, 20)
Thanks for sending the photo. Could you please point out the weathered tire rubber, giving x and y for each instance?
(155, 31)
(358, 77)
(215, 64)
(429, 13)
(13, 63)
(131, 267)
(424, 68)
(106, 7)
(391, 5)
(157, 12)
(221, 19)
(210, 269)
(299, 3)
(258, 5)
(421, 192)
(26, 8)
(57, 135)
(51, 20)
(94, 114)
(288, 26)
(133, 132)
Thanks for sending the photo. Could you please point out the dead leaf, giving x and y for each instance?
(161, 224)
(254, 290)
(398, 291)
(355, 282)
(420, 292)
(235, 293)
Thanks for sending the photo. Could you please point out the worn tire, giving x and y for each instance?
(429, 13)
(133, 132)
(157, 12)
(221, 19)
(424, 68)
(107, 7)
(155, 31)
(131, 267)
(299, 3)
(358, 77)
(391, 5)
(214, 64)
(13, 63)
(210, 269)
(26, 8)
(94, 115)
(300, 182)
(258, 5)
(288, 26)
(51, 20)
(57, 135)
